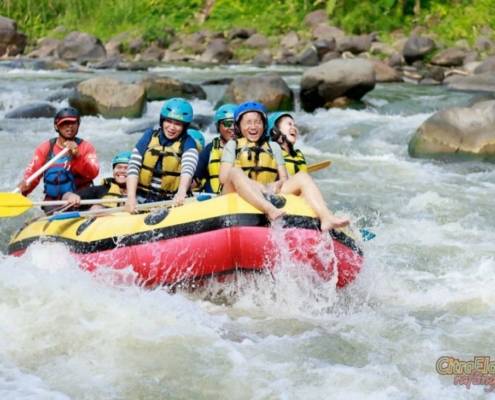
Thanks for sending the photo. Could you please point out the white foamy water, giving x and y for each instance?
(426, 289)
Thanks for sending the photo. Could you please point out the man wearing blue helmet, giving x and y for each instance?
(111, 188)
(206, 175)
(164, 160)
(253, 156)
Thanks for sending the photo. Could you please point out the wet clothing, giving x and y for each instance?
(160, 162)
(258, 162)
(82, 169)
(208, 170)
(294, 161)
(108, 189)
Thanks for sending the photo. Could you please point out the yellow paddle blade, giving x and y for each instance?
(13, 204)
(319, 165)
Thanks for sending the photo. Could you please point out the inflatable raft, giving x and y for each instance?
(201, 239)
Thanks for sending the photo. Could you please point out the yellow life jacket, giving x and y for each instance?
(257, 161)
(294, 162)
(113, 192)
(214, 165)
(163, 161)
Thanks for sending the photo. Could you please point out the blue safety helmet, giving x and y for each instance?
(178, 109)
(198, 138)
(274, 117)
(249, 106)
(224, 112)
(121, 158)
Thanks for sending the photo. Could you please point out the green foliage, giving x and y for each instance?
(450, 20)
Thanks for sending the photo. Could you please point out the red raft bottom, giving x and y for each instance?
(224, 251)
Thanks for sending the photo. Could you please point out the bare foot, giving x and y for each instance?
(333, 222)
(274, 213)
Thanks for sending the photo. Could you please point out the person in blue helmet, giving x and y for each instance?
(208, 170)
(164, 160)
(113, 188)
(283, 130)
(253, 166)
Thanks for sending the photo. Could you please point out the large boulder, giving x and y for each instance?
(12, 42)
(336, 78)
(257, 41)
(488, 65)
(81, 47)
(33, 110)
(269, 89)
(308, 56)
(417, 47)
(217, 51)
(315, 18)
(457, 132)
(326, 32)
(453, 57)
(384, 72)
(46, 47)
(475, 83)
(354, 44)
(163, 87)
(109, 98)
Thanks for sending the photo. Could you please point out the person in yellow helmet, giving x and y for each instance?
(253, 166)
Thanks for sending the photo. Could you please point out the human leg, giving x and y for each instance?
(302, 183)
(238, 182)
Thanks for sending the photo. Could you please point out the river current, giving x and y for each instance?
(426, 289)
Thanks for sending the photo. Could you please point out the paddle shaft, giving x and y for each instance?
(83, 202)
(44, 167)
(319, 165)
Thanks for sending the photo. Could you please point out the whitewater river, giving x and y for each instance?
(426, 289)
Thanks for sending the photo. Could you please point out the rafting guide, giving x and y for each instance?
(73, 171)
(479, 371)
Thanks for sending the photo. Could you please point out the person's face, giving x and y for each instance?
(226, 129)
(120, 173)
(68, 129)
(288, 127)
(252, 126)
(172, 128)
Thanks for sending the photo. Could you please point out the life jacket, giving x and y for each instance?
(214, 166)
(57, 179)
(256, 160)
(164, 162)
(294, 161)
(114, 192)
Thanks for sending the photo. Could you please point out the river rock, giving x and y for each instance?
(109, 98)
(315, 18)
(417, 47)
(263, 58)
(475, 83)
(324, 46)
(457, 132)
(257, 41)
(269, 89)
(81, 47)
(46, 47)
(384, 72)
(217, 51)
(326, 32)
(337, 78)
(33, 110)
(452, 57)
(240, 33)
(12, 42)
(488, 65)
(290, 40)
(354, 44)
(164, 87)
(308, 57)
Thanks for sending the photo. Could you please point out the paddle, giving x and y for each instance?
(44, 167)
(319, 165)
(14, 204)
(91, 213)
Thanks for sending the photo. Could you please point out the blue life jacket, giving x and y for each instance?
(57, 179)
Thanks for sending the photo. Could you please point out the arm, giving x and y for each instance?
(132, 179)
(189, 162)
(84, 162)
(39, 157)
(277, 154)
(227, 163)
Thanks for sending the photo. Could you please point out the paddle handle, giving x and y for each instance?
(83, 202)
(44, 168)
